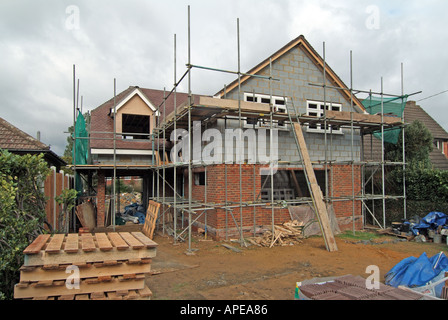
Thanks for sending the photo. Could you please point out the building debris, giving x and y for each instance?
(288, 233)
(433, 227)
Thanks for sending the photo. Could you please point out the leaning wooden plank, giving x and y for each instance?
(71, 243)
(321, 209)
(118, 241)
(103, 242)
(37, 244)
(84, 288)
(82, 297)
(131, 240)
(55, 244)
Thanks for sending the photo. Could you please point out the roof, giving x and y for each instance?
(413, 112)
(101, 121)
(12, 138)
(17, 141)
(314, 56)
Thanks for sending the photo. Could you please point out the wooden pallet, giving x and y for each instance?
(109, 266)
(151, 217)
(86, 270)
(86, 286)
(66, 249)
(139, 294)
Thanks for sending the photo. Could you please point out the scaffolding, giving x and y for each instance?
(175, 205)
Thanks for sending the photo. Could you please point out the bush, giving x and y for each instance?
(22, 212)
(426, 187)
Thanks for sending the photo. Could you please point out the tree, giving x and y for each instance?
(418, 145)
(423, 182)
(22, 212)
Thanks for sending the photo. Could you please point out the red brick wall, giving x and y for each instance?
(101, 199)
(263, 215)
(218, 219)
(342, 187)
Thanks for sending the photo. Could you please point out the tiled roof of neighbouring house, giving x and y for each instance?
(12, 138)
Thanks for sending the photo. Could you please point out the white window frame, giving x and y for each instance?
(278, 108)
(316, 108)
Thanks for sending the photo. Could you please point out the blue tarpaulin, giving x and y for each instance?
(415, 272)
(431, 221)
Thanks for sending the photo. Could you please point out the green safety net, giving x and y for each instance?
(80, 147)
(387, 106)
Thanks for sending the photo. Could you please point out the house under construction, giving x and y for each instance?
(284, 141)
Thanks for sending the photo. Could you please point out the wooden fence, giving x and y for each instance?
(53, 186)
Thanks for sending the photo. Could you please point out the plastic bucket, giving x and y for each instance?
(437, 238)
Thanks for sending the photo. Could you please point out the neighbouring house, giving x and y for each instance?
(234, 195)
(439, 154)
(19, 142)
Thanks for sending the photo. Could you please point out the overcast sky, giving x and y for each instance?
(133, 42)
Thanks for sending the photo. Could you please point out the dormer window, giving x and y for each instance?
(135, 126)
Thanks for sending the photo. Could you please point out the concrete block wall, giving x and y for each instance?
(295, 71)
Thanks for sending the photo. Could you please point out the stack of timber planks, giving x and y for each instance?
(289, 233)
(101, 266)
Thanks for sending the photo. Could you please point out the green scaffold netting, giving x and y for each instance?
(80, 147)
(394, 106)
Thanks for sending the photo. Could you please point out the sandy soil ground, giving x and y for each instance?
(259, 273)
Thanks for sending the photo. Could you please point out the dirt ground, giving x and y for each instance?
(215, 272)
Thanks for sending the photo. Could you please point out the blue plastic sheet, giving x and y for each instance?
(431, 221)
(136, 210)
(415, 272)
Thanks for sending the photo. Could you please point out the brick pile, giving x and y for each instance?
(351, 287)
(85, 266)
